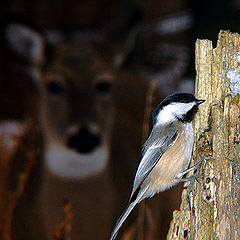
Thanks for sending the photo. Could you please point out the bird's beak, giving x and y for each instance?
(200, 101)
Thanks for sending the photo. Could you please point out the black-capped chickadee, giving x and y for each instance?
(167, 151)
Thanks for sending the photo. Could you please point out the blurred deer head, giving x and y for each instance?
(76, 112)
(76, 105)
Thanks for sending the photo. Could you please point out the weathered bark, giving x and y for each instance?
(213, 209)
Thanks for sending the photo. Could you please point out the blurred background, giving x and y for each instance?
(134, 53)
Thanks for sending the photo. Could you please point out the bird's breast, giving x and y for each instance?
(173, 162)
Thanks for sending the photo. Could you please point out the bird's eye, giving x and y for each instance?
(103, 87)
(55, 87)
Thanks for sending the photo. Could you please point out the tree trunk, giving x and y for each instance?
(212, 211)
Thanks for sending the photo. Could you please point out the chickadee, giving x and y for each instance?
(167, 151)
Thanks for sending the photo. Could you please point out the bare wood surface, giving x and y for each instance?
(213, 209)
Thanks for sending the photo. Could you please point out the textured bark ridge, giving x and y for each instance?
(213, 209)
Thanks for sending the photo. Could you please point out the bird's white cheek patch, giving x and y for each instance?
(165, 116)
(169, 113)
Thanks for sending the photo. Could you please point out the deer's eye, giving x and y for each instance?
(55, 87)
(103, 87)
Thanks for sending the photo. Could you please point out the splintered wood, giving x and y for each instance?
(212, 210)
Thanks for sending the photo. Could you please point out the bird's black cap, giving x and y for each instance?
(177, 98)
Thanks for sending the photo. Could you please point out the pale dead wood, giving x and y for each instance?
(213, 209)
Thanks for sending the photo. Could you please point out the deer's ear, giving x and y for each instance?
(25, 42)
(124, 56)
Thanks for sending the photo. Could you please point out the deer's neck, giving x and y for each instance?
(67, 163)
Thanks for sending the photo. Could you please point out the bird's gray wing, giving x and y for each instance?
(158, 142)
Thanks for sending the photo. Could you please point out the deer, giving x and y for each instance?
(86, 158)
(76, 115)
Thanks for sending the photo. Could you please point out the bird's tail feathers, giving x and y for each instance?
(122, 219)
